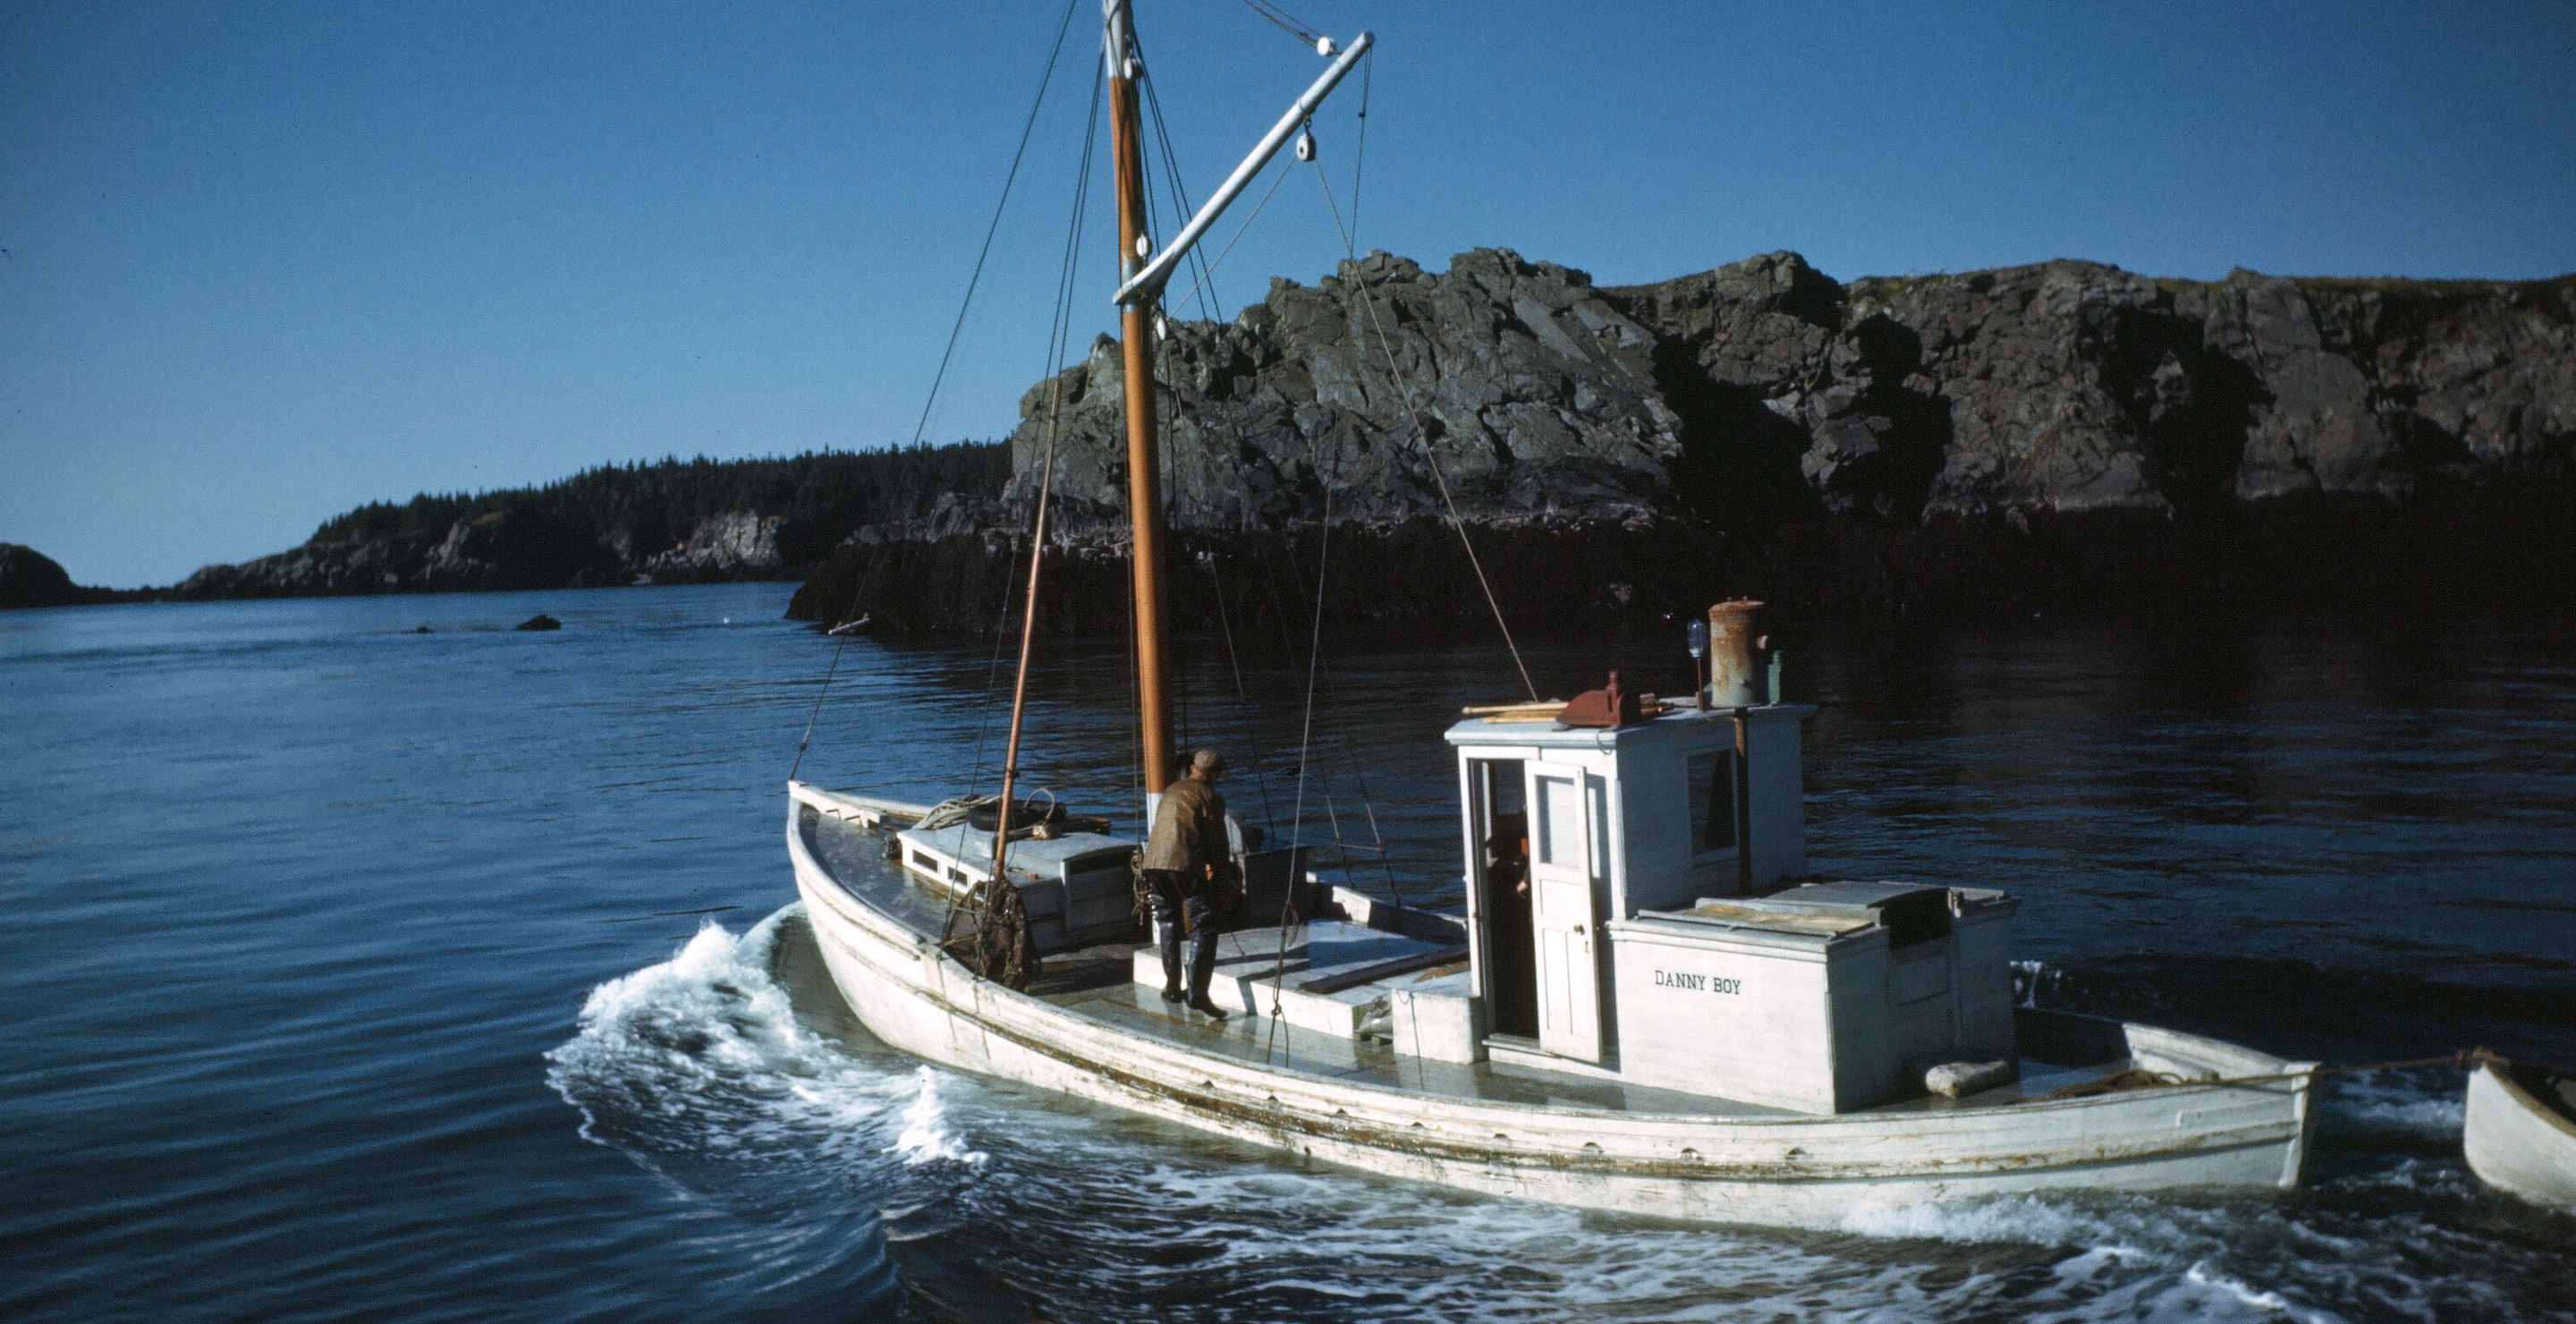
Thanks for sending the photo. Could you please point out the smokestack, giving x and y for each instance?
(1731, 676)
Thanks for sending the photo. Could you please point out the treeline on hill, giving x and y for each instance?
(819, 497)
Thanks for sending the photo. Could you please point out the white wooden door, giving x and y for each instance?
(1561, 909)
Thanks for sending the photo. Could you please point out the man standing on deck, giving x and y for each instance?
(1186, 860)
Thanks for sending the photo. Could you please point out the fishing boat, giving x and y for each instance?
(2520, 1132)
(1644, 1003)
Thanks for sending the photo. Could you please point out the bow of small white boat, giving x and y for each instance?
(2520, 1131)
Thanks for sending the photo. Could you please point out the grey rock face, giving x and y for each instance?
(502, 550)
(1515, 384)
(2072, 386)
(1766, 393)
(2061, 433)
(731, 545)
(2375, 385)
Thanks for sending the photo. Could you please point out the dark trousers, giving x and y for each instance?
(1177, 896)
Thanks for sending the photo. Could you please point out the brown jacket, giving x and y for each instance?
(1189, 830)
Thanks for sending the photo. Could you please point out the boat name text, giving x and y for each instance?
(1697, 983)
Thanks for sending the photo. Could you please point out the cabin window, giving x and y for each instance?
(1560, 820)
(922, 861)
(1712, 799)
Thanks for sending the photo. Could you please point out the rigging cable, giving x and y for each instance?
(1204, 291)
(1234, 661)
(1305, 740)
(1208, 269)
(1288, 23)
(1201, 290)
(1026, 130)
(1171, 172)
(1405, 394)
(1055, 55)
(1157, 347)
(1359, 153)
(1059, 334)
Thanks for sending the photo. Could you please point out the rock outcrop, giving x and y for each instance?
(498, 551)
(2052, 435)
(1518, 394)
(29, 578)
(675, 521)
(2072, 386)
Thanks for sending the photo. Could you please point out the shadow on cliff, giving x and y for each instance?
(2190, 406)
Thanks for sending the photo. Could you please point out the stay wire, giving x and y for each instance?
(994, 228)
(1233, 660)
(1288, 23)
(1055, 55)
(1202, 289)
(1305, 742)
(1368, 805)
(1171, 163)
(1059, 336)
(1208, 272)
(1359, 153)
(1404, 394)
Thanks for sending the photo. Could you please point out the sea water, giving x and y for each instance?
(354, 972)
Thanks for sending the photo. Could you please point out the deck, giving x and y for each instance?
(1099, 983)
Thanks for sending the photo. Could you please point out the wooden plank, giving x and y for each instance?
(1370, 973)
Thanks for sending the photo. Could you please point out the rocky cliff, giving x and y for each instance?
(2059, 435)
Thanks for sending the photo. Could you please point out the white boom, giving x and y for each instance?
(1149, 282)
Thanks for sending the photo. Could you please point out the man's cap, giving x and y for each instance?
(1207, 760)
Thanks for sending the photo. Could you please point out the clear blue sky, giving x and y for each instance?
(266, 261)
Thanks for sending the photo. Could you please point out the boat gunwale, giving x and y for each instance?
(2557, 1118)
(1635, 1128)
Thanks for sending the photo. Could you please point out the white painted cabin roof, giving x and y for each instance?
(1688, 725)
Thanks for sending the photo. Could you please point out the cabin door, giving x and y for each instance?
(1562, 913)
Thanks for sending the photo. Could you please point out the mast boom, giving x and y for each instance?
(1149, 282)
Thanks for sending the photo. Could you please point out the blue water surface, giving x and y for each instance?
(363, 973)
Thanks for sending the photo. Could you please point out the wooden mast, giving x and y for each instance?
(1144, 461)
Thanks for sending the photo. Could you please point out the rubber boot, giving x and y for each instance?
(1167, 936)
(1203, 971)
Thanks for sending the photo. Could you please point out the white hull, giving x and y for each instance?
(1796, 1171)
(2517, 1143)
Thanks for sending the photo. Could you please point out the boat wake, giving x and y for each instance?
(702, 1071)
(732, 1071)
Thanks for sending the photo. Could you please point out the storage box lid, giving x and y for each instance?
(1863, 901)
(1911, 912)
(1073, 852)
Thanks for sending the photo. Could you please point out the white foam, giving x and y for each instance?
(702, 1056)
(2401, 1105)
(699, 1067)
(925, 1137)
(2161, 1259)
(2031, 978)
(2022, 1219)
